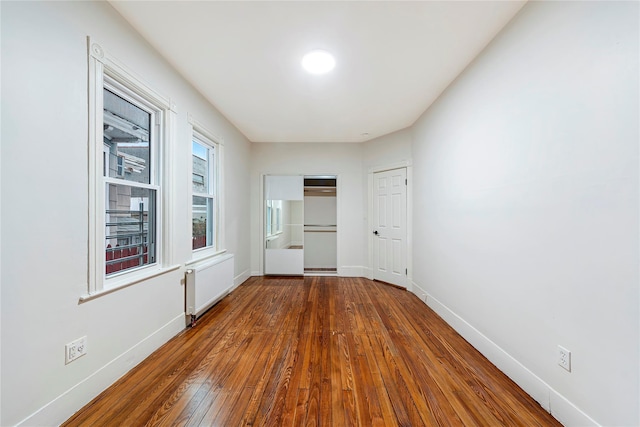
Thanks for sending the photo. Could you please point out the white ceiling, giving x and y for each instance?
(394, 58)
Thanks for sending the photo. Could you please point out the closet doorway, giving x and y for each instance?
(320, 225)
(301, 225)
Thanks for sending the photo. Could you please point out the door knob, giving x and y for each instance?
(375, 232)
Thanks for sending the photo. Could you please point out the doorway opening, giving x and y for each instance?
(320, 225)
(300, 218)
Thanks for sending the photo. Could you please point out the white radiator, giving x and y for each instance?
(208, 283)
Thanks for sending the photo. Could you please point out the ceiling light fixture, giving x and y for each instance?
(318, 62)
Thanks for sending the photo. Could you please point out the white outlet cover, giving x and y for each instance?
(75, 349)
(564, 358)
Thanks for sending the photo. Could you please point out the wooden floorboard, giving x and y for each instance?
(322, 351)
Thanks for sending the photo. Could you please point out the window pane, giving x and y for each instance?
(126, 139)
(202, 222)
(200, 168)
(130, 227)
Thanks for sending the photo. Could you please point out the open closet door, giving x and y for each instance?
(284, 226)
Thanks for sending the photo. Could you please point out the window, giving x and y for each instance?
(198, 180)
(120, 166)
(207, 211)
(129, 126)
(274, 217)
(203, 217)
(131, 189)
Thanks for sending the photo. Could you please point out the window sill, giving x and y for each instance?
(205, 257)
(128, 281)
(274, 235)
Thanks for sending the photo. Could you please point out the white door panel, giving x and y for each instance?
(390, 226)
(284, 229)
(284, 261)
(287, 187)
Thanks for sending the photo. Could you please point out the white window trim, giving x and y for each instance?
(202, 135)
(105, 68)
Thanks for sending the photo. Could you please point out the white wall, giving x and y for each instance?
(45, 205)
(343, 160)
(526, 206)
(320, 248)
(387, 150)
(320, 210)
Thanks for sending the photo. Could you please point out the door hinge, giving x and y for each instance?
(406, 271)
(405, 181)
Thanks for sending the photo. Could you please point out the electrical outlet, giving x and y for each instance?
(75, 349)
(564, 358)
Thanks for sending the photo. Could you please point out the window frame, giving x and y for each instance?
(200, 134)
(193, 175)
(105, 72)
(211, 191)
(154, 186)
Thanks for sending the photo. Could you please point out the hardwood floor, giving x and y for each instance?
(315, 351)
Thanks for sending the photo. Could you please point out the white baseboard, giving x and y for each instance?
(346, 271)
(64, 406)
(241, 278)
(566, 412)
(557, 405)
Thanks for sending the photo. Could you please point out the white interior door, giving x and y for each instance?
(390, 226)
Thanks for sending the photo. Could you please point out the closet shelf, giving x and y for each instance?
(315, 228)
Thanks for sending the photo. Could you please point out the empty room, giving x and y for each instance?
(320, 213)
